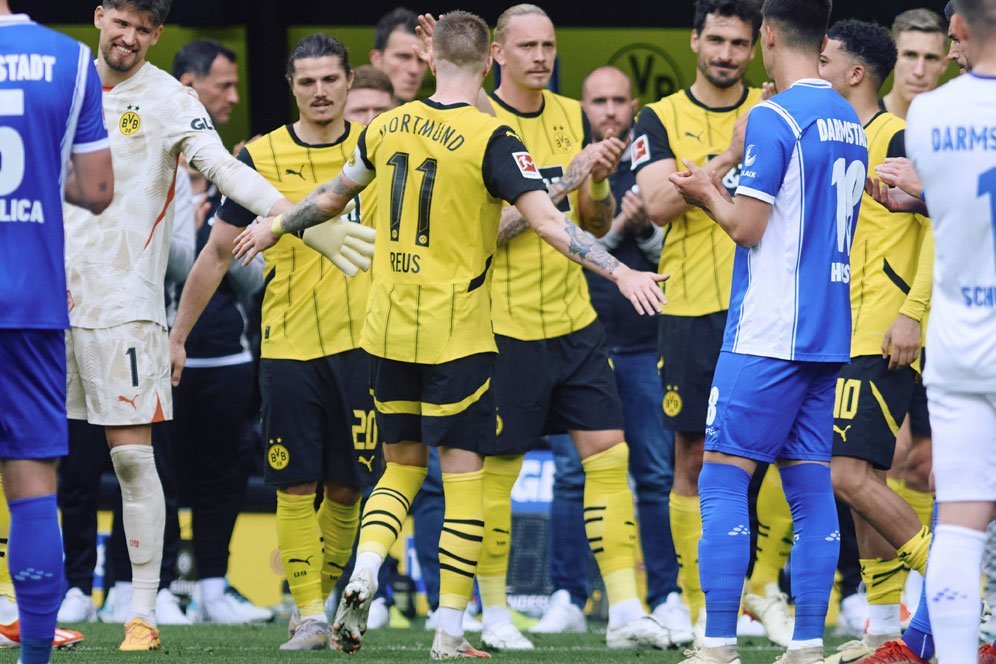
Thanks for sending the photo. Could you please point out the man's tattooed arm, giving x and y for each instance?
(512, 223)
(597, 216)
(325, 202)
(589, 252)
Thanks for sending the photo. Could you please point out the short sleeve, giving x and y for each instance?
(650, 142)
(897, 145)
(771, 137)
(359, 168)
(230, 211)
(91, 132)
(508, 169)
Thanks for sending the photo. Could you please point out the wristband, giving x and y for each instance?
(277, 227)
(599, 191)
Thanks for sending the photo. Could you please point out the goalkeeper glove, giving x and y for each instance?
(347, 244)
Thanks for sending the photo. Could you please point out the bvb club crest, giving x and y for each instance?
(130, 122)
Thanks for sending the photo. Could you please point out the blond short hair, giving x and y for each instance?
(515, 10)
(461, 38)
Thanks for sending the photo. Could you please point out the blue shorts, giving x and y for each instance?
(765, 409)
(33, 421)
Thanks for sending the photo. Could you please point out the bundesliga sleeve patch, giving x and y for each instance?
(526, 165)
(641, 151)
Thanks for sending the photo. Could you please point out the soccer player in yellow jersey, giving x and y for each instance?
(705, 124)
(875, 390)
(444, 168)
(318, 417)
(543, 319)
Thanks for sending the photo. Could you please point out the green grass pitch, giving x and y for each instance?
(222, 644)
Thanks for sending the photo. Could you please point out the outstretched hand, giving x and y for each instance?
(899, 172)
(642, 289)
(256, 238)
(894, 199)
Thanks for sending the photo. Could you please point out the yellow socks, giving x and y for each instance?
(774, 532)
(686, 530)
(338, 524)
(301, 551)
(884, 581)
(609, 521)
(922, 502)
(6, 583)
(461, 538)
(500, 473)
(387, 507)
(913, 554)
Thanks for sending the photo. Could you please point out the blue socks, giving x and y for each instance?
(724, 550)
(817, 545)
(35, 560)
(918, 637)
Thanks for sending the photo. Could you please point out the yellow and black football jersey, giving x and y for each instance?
(538, 292)
(885, 250)
(442, 174)
(697, 253)
(310, 308)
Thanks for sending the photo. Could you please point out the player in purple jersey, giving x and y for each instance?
(53, 143)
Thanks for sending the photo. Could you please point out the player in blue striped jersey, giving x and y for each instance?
(50, 118)
(788, 330)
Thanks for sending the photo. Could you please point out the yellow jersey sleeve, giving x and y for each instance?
(310, 308)
(697, 253)
(538, 292)
(442, 172)
(885, 252)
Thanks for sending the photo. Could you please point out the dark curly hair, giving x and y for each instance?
(868, 42)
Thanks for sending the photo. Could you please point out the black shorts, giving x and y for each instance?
(307, 420)
(552, 386)
(870, 405)
(919, 414)
(689, 349)
(450, 404)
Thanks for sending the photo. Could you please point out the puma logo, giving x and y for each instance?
(499, 530)
(697, 137)
(842, 432)
(291, 171)
(336, 565)
(368, 462)
(126, 400)
(305, 561)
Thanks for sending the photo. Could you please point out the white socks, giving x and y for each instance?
(953, 592)
(450, 621)
(495, 615)
(211, 588)
(144, 518)
(625, 612)
(368, 561)
(884, 619)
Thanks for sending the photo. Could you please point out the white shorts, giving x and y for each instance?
(964, 445)
(119, 376)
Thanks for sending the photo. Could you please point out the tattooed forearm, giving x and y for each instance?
(598, 217)
(588, 252)
(316, 206)
(510, 225)
(577, 171)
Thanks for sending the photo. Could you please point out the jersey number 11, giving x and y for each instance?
(399, 161)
